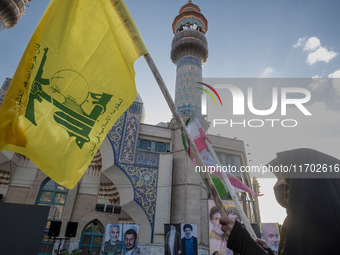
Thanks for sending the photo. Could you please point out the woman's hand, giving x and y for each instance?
(227, 225)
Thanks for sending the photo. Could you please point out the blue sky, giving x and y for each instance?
(246, 38)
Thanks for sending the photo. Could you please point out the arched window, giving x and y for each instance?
(92, 237)
(53, 195)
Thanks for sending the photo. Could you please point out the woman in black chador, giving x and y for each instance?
(312, 225)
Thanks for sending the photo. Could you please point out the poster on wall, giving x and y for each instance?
(113, 239)
(172, 239)
(189, 239)
(217, 240)
(120, 239)
(270, 233)
(130, 239)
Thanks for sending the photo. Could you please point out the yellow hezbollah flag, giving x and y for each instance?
(73, 82)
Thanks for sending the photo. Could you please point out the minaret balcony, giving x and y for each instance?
(11, 11)
(189, 42)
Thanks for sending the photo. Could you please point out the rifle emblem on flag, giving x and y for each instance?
(71, 116)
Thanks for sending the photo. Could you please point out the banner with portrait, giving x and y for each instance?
(113, 239)
(271, 234)
(189, 239)
(130, 239)
(172, 239)
(217, 240)
(120, 239)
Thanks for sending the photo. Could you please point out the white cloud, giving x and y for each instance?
(316, 52)
(267, 72)
(300, 42)
(336, 74)
(317, 83)
(336, 82)
(321, 54)
(336, 86)
(312, 44)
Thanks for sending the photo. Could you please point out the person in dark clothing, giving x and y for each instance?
(189, 242)
(312, 225)
(240, 241)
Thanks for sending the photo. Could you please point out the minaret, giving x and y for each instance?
(189, 51)
(11, 12)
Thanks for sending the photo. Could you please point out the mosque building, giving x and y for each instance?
(141, 174)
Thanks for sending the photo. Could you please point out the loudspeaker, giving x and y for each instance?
(54, 228)
(109, 208)
(117, 209)
(100, 207)
(71, 229)
(1, 197)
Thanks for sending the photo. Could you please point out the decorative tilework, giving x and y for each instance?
(188, 60)
(144, 181)
(136, 108)
(3, 89)
(143, 174)
(130, 135)
(115, 135)
(127, 149)
(124, 134)
(188, 109)
(188, 97)
(148, 159)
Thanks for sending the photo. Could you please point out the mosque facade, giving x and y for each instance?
(141, 174)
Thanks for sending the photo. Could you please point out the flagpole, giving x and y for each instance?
(194, 151)
(233, 194)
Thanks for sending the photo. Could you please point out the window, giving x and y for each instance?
(92, 237)
(53, 195)
(145, 145)
(153, 146)
(160, 147)
(232, 160)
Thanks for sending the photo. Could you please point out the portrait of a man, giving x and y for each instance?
(270, 233)
(217, 240)
(130, 241)
(232, 213)
(172, 241)
(113, 246)
(189, 242)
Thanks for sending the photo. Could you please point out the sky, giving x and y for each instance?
(246, 39)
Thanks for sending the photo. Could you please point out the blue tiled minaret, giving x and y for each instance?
(189, 51)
